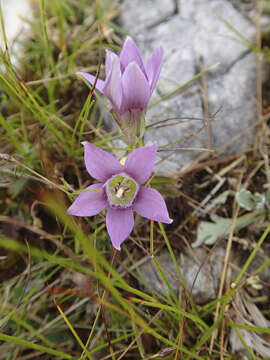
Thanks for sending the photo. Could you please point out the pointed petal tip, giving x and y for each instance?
(129, 38)
(129, 42)
(153, 146)
(150, 204)
(89, 203)
(161, 53)
(111, 55)
(165, 221)
(83, 74)
(91, 79)
(161, 49)
(69, 212)
(117, 247)
(129, 53)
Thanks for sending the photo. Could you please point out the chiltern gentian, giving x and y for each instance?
(129, 85)
(120, 190)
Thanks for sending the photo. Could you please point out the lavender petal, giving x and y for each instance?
(150, 204)
(100, 164)
(130, 53)
(91, 79)
(119, 223)
(89, 203)
(136, 90)
(153, 67)
(113, 88)
(108, 61)
(139, 164)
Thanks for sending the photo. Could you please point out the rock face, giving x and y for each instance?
(15, 12)
(196, 34)
(200, 271)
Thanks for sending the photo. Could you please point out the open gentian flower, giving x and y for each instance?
(129, 85)
(120, 190)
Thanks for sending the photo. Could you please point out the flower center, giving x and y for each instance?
(121, 190)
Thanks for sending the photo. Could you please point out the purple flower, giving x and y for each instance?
(120, 190)
(129, 84)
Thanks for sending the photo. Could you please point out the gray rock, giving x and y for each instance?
(200, 272)
(14, 13)
(194, 38)
(245, 6)
(140, 14)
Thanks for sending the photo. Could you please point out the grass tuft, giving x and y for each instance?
(65, 293)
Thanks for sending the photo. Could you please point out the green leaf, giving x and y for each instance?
(222, 198)
(249, 201)
(209, 232)
(259, 200)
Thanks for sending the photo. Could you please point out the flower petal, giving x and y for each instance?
(130, 53)
(150, 204)
(108, 62)
(139, 164)
(136, 90)
(153, 67)
(113, 87)
(100, 164)
(91, 79)
(89, 203)
(119, 223)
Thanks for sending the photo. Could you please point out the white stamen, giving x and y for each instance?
(120, 192)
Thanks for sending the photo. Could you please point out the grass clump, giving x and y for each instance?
(65, 293)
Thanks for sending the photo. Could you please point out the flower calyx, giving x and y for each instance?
(121, 190)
